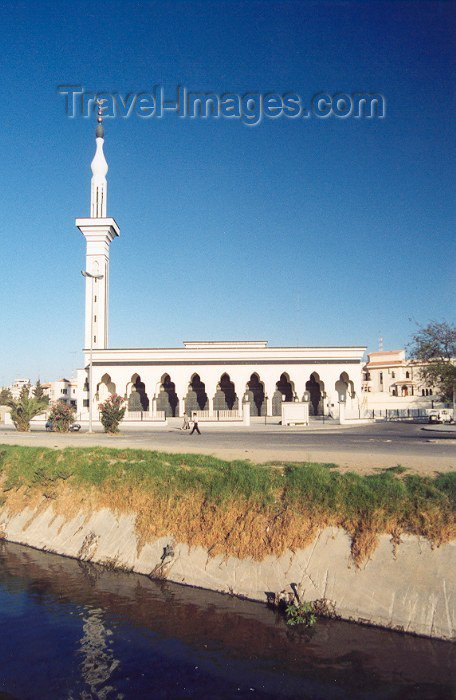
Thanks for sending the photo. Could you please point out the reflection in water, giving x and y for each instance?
(99, 662)
(83, 631)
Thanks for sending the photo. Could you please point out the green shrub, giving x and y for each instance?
(61, 416)
(112, 412)
(300, 614)
(23, 409)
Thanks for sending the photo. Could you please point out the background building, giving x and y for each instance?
(62, 390)
(392, 381)
(17, 386)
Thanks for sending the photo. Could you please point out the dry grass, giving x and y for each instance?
(229, 508)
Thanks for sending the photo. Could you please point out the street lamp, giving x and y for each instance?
(92, 277)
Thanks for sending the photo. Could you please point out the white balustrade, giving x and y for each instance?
(217, 415)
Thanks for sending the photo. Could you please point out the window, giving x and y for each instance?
(381, 377)
(94, 338)
(85, 403)
(64, 391)
(95, 297)
(393, 375)
(407, 375)
(95, 319)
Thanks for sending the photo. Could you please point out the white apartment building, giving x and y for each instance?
(17, 386)
(59, 390)
(62, 390)
(392, 381)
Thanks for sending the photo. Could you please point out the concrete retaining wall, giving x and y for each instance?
(413, 590)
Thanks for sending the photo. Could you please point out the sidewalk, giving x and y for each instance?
(271, 426)
(441, 428)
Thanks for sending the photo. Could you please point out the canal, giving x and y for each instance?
(71, 629)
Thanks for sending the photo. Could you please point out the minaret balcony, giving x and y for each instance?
(106, 227)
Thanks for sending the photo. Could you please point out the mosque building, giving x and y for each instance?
(213, 378)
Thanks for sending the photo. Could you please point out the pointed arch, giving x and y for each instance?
(284, 392)
(105, 388)
(138, 399)
(196, 398)
(255, 392)
(225, 397)
(345, 387)
(316, 388)
(344, 377)
(167, 399)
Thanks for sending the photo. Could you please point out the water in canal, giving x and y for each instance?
(76, 630)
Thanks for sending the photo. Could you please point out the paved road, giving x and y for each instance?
(363, 447)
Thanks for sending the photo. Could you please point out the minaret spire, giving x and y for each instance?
(99, 231)
(99, 186)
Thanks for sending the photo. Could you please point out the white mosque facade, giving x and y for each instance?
(216, 379)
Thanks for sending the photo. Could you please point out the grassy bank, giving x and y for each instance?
(233, 508)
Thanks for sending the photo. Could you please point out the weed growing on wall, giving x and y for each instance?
(300, 614)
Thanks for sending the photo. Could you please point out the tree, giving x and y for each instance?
(24, 409)
(435, 346)
(5, 396)
(112, 412)
(38, 392)
(61, 416)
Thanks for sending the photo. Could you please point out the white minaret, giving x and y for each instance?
(99, 230)
(98, 185)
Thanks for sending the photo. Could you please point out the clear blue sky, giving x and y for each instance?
(300, 232)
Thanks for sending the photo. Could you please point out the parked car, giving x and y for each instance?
(442, 415)
(74, 427)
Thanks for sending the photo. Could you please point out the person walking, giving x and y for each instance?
(195, 425)
(186, 424)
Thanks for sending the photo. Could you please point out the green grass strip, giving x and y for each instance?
(413, 502)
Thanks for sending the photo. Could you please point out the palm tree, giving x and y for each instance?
(25, 408)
